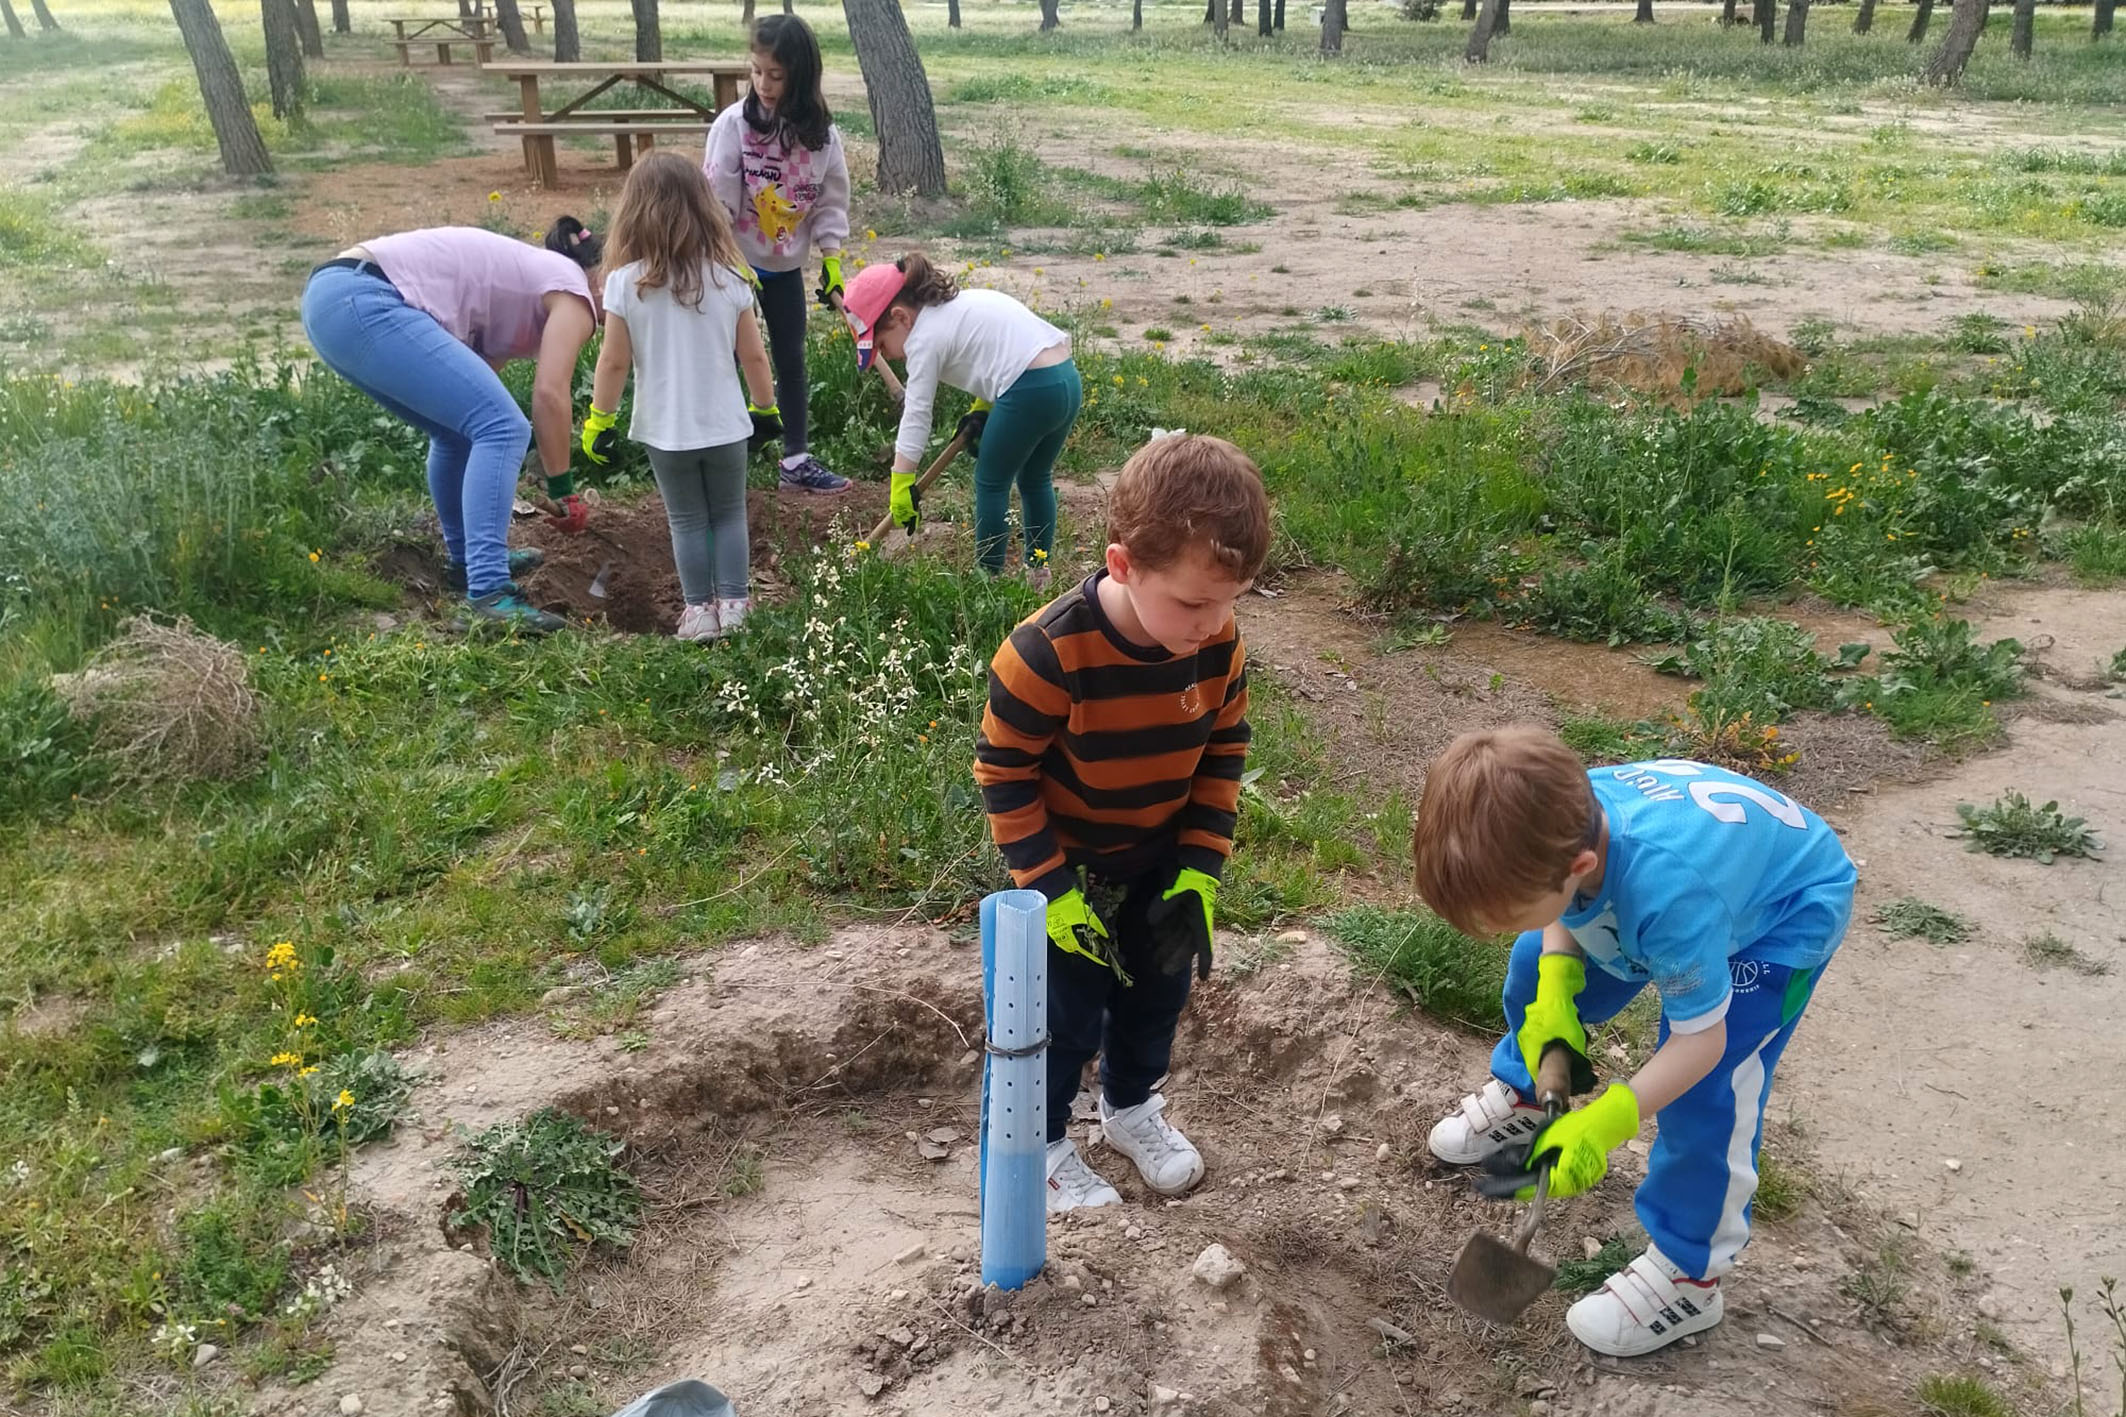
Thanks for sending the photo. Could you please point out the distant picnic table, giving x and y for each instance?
(443, 31)
(633, 130)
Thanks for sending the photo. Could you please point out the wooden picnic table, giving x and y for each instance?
(633, 130)
(444, 31)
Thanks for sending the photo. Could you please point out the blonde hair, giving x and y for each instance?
(672, 223)
(1504, 813)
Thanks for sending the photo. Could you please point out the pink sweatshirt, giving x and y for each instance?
(487, 289)
(782, 200)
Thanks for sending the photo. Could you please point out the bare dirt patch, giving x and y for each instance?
(842, 1276)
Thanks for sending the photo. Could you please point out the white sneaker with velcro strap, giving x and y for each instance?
(1489, 1120)
(1073, 1185)
(1645, 1306)
(1167, 1160)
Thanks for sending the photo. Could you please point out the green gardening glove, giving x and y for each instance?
(1554, 1017)
(1074, 928)
(1180, 923)
(830, 278)
(598, 435)
(904, 503)
(1576, 1147)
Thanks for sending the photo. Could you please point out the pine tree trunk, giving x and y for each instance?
(1210, 12)
(649, 39)
(910, 158)
(44, 15)
(1727, 15)
(284, 56)
(749, 15)
(1505, 22)
(307, 30)
(786, 8)
(1966, 23)
(1279, 23)
(14, 21)
(1469, 9)
(1262, 19)
(1865, 20)
(1218, 17)
(1240, 12)
(510, 20)
(1487, 19)
(1332, 27)
(342, 22)
(1646, 13)
(221, 88)
(1766, 15)
(1797, 23)
(952, 13)
(2025, 23)
(1136, 15)
(1051, 16)
(2100, 21)
(568, 43)
(1920, 17)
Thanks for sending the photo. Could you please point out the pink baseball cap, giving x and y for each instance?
(866, 301)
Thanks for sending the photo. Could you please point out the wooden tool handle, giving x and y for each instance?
(922, 484)
(1553, 1078)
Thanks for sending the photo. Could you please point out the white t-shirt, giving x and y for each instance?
(687, 391)
(980, 341)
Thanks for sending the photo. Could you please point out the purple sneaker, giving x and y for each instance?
(811, 475)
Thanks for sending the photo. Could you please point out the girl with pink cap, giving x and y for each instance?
(1018, 367)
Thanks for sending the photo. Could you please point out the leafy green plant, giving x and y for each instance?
(543, 1188)
(1609, 740)
(2049, 951)
(1602, 601)
(2011, 826)
(1443, 971)
(1913, 918)
(1780, 1187)
(379, 1084)
(1587, 1273)
(1938, 682)
(1761, 667)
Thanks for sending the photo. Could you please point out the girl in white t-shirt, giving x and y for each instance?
(678, 309)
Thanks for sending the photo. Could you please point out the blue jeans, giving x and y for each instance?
(400, 356)
(1702, 1172)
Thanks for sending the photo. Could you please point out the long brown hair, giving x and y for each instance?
(673, 225)
(924, 284)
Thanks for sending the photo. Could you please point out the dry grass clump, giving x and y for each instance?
(167, 703)
(1659, 355)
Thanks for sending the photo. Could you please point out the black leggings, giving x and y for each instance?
(782, 301)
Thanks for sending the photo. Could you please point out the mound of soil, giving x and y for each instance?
(808, 1250)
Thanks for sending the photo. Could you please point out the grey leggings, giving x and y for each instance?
(704, 492)
(782, 301)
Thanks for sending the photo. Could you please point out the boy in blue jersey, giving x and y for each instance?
(1725, 895)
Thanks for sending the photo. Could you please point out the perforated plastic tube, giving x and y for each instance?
(1014, 1182)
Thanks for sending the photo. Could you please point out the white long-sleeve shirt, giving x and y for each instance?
(980, 341)
(783, 201)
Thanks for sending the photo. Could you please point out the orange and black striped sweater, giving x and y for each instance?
(1113, 756)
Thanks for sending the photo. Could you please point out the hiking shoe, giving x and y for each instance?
(1489, 1120)
(811, 475)
(1073, 1185)
(505, 605)
(1646, 1305)
(730, 614)
(699, 623)
(522, 562)
(1164, 1157)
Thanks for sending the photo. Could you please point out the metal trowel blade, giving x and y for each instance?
(1496, 1282)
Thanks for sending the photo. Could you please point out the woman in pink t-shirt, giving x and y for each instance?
(421, 322)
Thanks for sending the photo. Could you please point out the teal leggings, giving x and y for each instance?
(1020, 442)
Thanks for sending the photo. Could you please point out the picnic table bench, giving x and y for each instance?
(633, 130)
(443, 31)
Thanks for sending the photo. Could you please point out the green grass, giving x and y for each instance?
(1583, 1274)
(2011, 825)
(2049, 951)
(1441, 970)
(1959, 1395)
(1781, 1187)
(1912, 918)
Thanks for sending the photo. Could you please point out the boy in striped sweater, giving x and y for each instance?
(1110, 760)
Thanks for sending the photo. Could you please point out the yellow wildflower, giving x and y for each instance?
(281, 956)
(494, 196)
(286, 1060)
(344, 1100)
(305, 1020)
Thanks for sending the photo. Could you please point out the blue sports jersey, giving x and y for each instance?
(1704, 867)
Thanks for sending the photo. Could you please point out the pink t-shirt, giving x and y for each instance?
(485, 288)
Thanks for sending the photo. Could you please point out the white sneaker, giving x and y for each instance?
(1489, 1120)
(1646, 1305)
(1073, 1185)
(698, 622)
(1164, 1157)
(732, 613)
